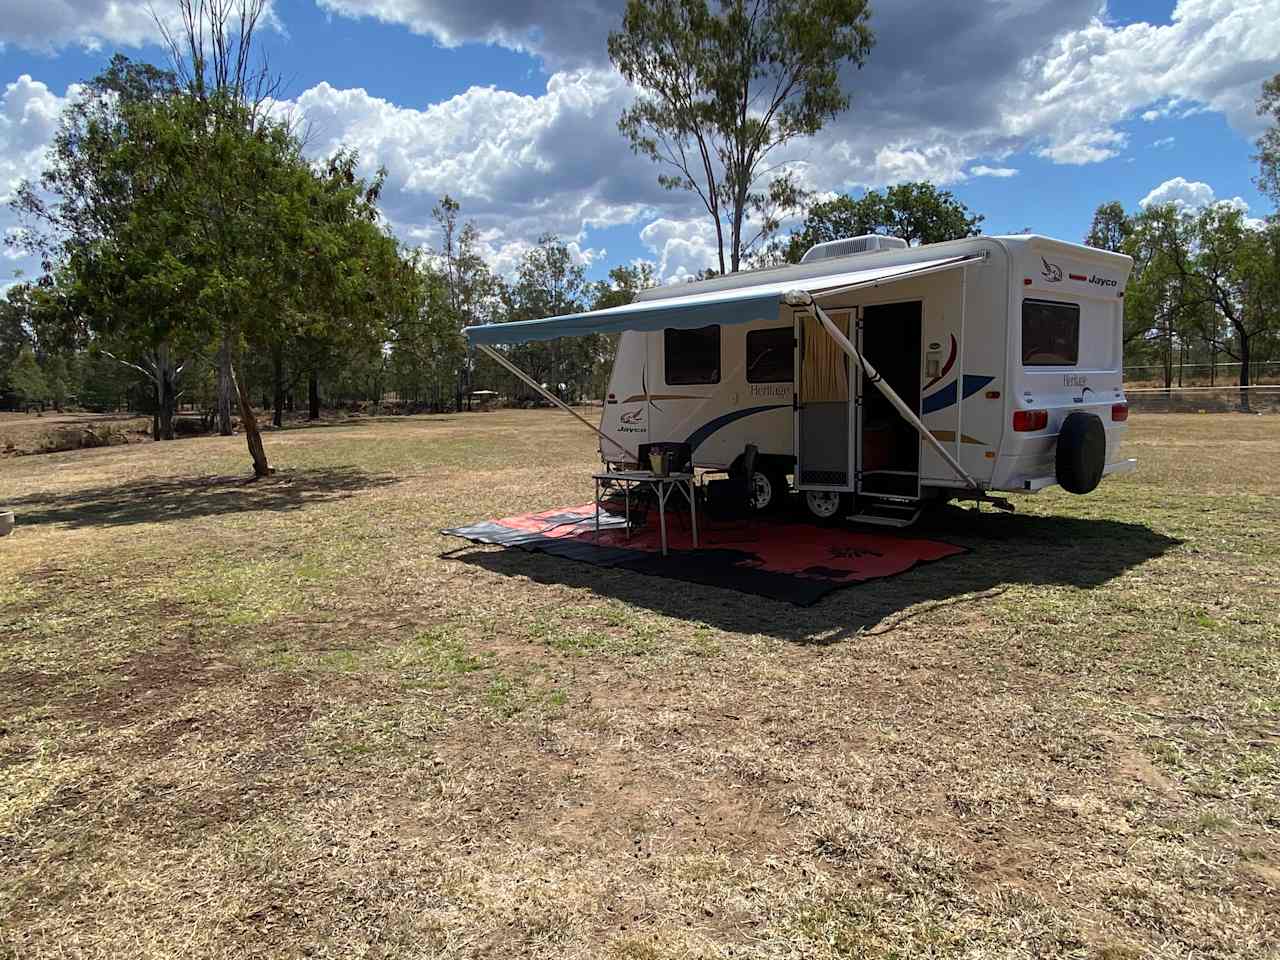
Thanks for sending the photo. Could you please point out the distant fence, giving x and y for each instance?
(1223, 373)
(1222, 399)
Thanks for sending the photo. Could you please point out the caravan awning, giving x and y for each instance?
(738, 305)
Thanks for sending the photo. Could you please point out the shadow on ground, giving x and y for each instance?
(360, 420)
(1007, 549)
(183, 498)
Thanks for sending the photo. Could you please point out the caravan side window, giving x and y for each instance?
(771, 355)
(692, 356)
(1050, 334)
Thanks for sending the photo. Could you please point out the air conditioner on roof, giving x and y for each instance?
(868, 243)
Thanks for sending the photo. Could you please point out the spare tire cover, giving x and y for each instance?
(1082, 452)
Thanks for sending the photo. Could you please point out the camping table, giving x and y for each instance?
(662, 486)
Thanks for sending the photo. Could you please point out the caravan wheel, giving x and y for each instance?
(825, 506)
(767, 490)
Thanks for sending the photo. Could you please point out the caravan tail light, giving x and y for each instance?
(1025, 421)
(1119, 412)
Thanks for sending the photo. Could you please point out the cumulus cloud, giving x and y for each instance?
(29, 113)
(46, 26)
(519, 165)
(682, 246)
(1192, 195)
(1186, 194)
(564, 34)
(1001, 173)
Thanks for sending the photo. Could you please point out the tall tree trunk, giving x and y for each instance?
(1245, 345)
(165, 390)
(226, 385)
(313, 396)
(252, 436)
(277, 370)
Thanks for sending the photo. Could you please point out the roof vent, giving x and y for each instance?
(868, 243)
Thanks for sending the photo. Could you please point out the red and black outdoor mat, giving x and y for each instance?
(796, 562)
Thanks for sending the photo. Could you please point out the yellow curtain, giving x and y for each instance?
(824, 374)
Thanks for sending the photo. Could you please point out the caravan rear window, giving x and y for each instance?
(1050, 333)
(692, 356)
(771, 355)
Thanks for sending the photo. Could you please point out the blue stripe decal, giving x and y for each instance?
(947, 395)
(707, 429)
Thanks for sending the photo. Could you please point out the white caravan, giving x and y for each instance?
(999, 361)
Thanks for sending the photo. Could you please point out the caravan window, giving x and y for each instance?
(770, 355)
(692, 356)
(1050, 334)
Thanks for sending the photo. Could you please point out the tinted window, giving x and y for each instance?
(693, 356)
(770, 355)
(1050, 334)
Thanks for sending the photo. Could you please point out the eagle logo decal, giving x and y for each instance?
(1051, 272)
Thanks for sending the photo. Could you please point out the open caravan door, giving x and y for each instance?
(826, 442)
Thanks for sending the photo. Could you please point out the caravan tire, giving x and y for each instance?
(768, 488)
(827, 506)
(1082, 452)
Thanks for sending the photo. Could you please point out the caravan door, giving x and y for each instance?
(888, 335)
(824, 406)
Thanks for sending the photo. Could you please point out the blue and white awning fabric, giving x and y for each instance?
(738, 305)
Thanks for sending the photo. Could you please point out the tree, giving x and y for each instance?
(1111, 228)
(1268, 155)
(917, 212)
(182, 225)
(1208, 274)
(720, 91)
(470, 287)
(13, 328)
(26, 379)
(548, 283)
(82, 220)
(625, 283)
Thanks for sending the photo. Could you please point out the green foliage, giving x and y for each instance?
(1111, 227)
(26, 379)
(721, 89)
(917, 212)
(1208, 276)
(548, 284)
(174, 222)
(1268, 155)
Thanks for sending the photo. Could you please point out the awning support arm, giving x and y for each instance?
(548, 395)
(802, 298)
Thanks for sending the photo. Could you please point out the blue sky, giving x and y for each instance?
(1031, 111)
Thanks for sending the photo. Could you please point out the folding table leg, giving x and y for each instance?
(662, 516)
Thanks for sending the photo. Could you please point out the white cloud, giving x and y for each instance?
(29, 113)
(1213, 55)
(519, 165)
(1192, 195)
(682, 247)
(48, 24)
(1163, 143)
(1002, 173)
(1186, 194)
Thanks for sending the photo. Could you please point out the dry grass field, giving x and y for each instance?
(289, 719)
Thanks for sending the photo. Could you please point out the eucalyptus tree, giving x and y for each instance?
(916, 211)
(549, 283)
(1110, 228)
(722, 87)
(1268, 155)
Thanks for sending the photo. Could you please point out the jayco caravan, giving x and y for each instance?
(876, 378)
